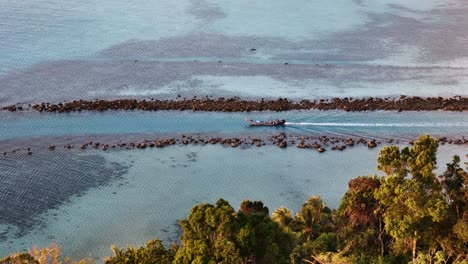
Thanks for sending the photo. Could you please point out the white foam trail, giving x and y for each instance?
(460, 124)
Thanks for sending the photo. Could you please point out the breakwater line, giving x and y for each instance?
(235, 104)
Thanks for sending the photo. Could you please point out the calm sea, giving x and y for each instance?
(53, 50)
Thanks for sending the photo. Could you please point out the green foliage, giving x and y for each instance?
(409, 214)
(47, 255)
(283, 217)
(262, 240)
(217, 234)
(369, 259)
(208, 235)
(326, 242)
(461, 229)
(20, 258)
(412, 206)
(256, 207)
(313, 219)
(423, 159)
(153, 252)
(393, 162)
(360, 221)
(453, 233)
(438, 258)
(455, 185)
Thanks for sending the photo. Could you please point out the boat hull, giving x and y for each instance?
(262, 123)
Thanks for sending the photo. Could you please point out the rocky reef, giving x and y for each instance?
(282, 140)
(236, 104)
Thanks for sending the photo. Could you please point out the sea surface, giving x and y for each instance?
(375, 124)
(89, 201)
(55, 50)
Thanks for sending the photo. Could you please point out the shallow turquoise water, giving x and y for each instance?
(44, 30)
(37, 31)
(160, 186)
(381, 124)
(54, 50)
(128, 197)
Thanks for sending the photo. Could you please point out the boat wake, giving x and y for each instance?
(330, 124)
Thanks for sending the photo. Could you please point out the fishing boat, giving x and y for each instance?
(276, 122)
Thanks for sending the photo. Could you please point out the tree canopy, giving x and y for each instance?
(407, 213)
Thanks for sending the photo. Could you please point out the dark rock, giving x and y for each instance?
(141, 145)
(234, 104)
(350, 142)
(282, 144)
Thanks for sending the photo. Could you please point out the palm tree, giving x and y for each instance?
(312, 218)
(283, 217)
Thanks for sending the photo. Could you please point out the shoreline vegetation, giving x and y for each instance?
(406, 214)
(235, 104)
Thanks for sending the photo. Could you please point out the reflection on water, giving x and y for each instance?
(161, 186)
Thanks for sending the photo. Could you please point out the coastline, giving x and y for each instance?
(158, 176)
(236, 104)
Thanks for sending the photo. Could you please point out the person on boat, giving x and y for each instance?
(276, 122)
